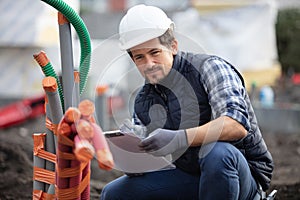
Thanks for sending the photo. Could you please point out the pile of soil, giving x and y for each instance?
(16, 163)
(285, 149)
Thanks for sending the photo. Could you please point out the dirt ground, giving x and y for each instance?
(16, 163)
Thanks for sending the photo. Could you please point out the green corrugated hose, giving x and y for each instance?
(83, 34)
(49, 71)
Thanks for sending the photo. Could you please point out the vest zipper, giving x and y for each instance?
(165, 99)
(162, 95)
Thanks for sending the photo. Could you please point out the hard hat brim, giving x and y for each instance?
(137, 40)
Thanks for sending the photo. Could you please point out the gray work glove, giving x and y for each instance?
(129, 127)
(139, 130)
(162, 142)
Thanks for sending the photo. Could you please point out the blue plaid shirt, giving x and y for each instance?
(226, 94)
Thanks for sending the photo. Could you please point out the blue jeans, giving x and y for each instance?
(225, 175)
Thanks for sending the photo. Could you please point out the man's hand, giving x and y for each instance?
(138, 130)
(162, 142)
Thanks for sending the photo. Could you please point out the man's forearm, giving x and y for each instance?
(221, 129)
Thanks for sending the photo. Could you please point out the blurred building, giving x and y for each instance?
(241, 31)
(30, 26)
(27, 27)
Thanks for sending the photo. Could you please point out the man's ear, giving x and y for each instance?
(174, 47)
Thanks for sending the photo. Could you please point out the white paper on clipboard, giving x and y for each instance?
(130, 159)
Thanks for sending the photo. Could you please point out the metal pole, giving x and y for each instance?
(67, 65)
(50, 146)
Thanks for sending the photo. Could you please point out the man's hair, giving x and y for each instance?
(165, 39)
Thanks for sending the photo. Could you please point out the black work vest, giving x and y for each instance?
(180, 101)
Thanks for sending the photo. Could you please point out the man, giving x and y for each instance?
(196, 108)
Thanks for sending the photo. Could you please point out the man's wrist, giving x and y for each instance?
(183, 138)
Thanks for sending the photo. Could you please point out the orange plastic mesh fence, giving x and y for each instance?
(43, 175)
(52, 127)
(46, 155)
(70, 172)
(65, 140)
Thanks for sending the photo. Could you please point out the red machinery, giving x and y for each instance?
(20, 111)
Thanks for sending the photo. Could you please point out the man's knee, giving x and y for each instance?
(119, 189)
(217, 154)
(105, 194)
(109, 192)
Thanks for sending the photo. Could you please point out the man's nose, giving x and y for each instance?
(149, 61)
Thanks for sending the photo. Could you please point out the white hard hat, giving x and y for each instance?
(142, 23)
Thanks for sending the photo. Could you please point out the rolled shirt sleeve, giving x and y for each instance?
(226, 93)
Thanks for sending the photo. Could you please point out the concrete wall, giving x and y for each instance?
(279, 120)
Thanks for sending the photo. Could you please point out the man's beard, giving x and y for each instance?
(154, 78)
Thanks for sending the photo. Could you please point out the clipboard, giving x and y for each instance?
(129, 158)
